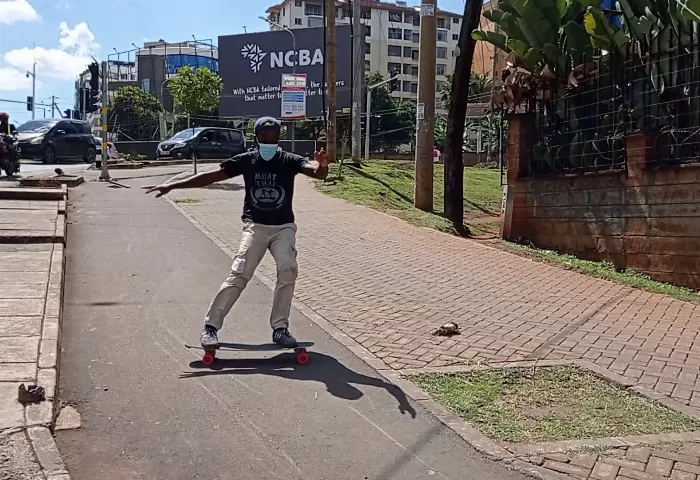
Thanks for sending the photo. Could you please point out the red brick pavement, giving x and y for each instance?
(388, 285)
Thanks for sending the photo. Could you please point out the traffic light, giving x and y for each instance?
(394, 82)
(68, 113)
(30, 104)
(95, 94)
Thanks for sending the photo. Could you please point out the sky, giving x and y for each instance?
(63, 36)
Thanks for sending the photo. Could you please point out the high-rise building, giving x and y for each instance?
(392, 33)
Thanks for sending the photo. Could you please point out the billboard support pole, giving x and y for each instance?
(330, 75)
(358, 56)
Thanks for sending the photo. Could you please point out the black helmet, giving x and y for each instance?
(4, 116)
(264, 124)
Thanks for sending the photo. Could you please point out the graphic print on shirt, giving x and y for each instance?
(265, 194)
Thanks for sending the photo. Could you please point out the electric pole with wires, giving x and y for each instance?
(358, 69)
(331, 134)
(425, 109)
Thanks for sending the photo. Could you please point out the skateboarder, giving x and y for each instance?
(268, 224)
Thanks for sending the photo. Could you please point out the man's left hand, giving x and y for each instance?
(321, 157)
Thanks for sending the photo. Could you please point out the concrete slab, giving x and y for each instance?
(22, 262)
(11, 411)
(17, 372)
(22, 290)
(32, 193)
(19, 349)
(20, 326)
(29, 307)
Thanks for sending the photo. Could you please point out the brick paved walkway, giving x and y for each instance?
(388, 285)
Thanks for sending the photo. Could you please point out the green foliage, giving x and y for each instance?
(392, 121)
(134, 113)
(195, 91)
(479, 87)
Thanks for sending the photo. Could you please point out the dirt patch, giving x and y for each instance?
(17, 461)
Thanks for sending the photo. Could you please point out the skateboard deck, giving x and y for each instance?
(300, 352)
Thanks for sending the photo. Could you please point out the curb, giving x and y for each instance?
(467, 432)
(22, 193)
(40, 418)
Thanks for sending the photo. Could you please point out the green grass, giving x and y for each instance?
(388, 186)
(549, 404)
(188, 200)
(603, 270)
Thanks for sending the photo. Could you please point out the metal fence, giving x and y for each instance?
(580, 124)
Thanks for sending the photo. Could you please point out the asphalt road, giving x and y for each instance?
(139, 278)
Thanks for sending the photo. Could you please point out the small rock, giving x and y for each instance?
(68, 419)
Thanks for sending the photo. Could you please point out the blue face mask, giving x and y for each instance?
(267, 150)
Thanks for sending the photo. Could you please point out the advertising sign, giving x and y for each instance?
(293, 96)
(251, 66)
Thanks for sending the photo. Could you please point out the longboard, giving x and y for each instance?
(300, 352)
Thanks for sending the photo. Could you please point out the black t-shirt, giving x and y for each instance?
(269, 185)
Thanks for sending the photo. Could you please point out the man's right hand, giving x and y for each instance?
(161, 189)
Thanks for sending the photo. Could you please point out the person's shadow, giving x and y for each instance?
(338, 378)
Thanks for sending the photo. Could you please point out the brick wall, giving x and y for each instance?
(643, 219)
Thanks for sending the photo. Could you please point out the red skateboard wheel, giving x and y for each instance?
(302, 358)
(208, 358)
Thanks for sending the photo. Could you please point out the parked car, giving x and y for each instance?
(203, 142)
(50, 140)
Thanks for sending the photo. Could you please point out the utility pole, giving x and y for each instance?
(456, 117)
(53, 106)
(33, 90)
(104, 176)
(425, 112)
(330, 76)
(358, 68)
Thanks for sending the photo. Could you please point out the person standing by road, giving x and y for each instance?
(268, 224)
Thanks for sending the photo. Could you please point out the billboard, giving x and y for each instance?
(251, 66)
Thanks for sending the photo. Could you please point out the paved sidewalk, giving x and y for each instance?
(388, 285)
(32, 233)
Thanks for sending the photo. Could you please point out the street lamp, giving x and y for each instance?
(294, 62)
(33, 74)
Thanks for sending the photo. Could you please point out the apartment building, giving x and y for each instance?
(392, 36)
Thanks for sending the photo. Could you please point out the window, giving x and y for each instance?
(67, 127)
(146, 85)
(407, 34)
(339, 13)
(393, 67)
(313, 9)
(407, 52)
(297, 21)
(368, 48)
(394, 50)
(414, 54)
(441, 52)
(368, 66)
(406, 86)
(82, 127)
(298, 3)
(440, 21)
(408, 18)
(410, 70)
(365, 13)
(455, 37)
(395, 17)
(313, 22)
(455, 20)
(232, 136)
(346, 12)
(284, 11)
(440, 69)
(414, 87)
(368, 30)
(442, 36)
(394, 34)
(416, 20)
(416, 38)
(438, 86)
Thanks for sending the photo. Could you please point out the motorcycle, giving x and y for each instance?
(7, 164)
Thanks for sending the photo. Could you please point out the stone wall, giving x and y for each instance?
(641, 218)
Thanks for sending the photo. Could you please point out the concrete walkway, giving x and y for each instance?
(32, 233)
(388, 285)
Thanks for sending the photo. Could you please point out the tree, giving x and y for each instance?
(134, 114)
(392, 121)
(196, 92)
(479, 86)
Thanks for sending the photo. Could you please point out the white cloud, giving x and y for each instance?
(75, 47)
(12, 11)
(65, 5)
(14, 79)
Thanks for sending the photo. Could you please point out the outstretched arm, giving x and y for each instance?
(195, 181)
(317, 168)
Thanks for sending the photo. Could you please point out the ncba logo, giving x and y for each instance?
(280, 59)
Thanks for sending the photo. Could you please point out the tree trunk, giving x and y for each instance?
(454, 139)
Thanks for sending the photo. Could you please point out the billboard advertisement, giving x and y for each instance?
(251, 66)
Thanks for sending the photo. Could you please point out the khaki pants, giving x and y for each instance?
(256, 240)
